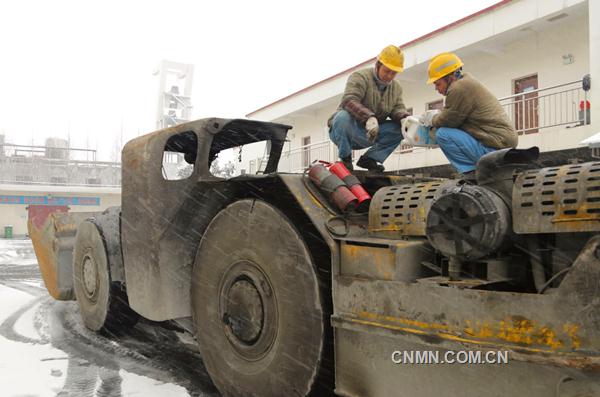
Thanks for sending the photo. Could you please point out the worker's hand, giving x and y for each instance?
(427, 118)
(372, 127)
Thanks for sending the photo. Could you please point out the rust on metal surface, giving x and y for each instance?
(369, 261)
(558, 199)
(52, 231)
(519, 352)
(37, 214)
(513, 329)
(401, 210)
(40, 226)
(45, 254)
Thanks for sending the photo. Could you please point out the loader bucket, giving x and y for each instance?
(52, 231)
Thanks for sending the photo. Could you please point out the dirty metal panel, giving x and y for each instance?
(382, 259)
(375, 356)
(162, 221)
(558, 199)
(563, 324)
(560, 329)
(372, 261)
(401, 210)
(449, 317)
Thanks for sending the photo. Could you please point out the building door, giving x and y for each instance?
(437, 105)
(305, 151)
(526, 105)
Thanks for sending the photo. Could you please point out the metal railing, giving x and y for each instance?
(38, 170)
(258, 165)
(51, 152)
(559, 105)
(298, 159)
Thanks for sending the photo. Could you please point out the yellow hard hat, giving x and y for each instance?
(392, 58)
(442, 65)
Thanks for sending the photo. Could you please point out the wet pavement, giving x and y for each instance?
(45, 350)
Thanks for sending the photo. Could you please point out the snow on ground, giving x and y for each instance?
(27, 369)
(24, 324)
(16, 252)
(137, 385)
(30, 366)
(37, 284)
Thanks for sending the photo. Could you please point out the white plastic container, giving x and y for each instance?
(416, 134)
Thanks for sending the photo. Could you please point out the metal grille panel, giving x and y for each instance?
(558, 199)
(401, 210)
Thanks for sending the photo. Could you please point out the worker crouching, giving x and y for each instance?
(472, 122)
(371, 97)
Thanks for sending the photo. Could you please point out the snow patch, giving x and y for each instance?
(17, 252)
(11, 300)
(25, 368)
(137, 385)
(24, 325)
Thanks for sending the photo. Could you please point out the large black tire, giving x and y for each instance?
(257, 304)
(102, 303)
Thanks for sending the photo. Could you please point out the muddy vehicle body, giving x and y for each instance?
(286, 295)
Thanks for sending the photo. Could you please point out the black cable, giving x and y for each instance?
(558, 274)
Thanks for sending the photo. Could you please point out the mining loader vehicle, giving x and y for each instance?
(287, 295)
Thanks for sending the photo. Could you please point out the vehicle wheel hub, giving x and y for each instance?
(248, 310)
(90, 276)
(245, 311)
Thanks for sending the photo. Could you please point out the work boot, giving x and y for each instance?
(370, 164)
(348, 163)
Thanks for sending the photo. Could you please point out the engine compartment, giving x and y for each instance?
(516, 228)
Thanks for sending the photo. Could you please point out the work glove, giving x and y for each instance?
(372, 127)
(427, 118)
(400, 117)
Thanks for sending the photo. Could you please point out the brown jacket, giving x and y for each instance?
(362, 99)
(472, 108)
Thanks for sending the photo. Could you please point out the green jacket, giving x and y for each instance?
(472, 108)
(361, 87)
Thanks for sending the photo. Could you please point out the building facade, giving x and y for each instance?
(532, 54)
(54, 174)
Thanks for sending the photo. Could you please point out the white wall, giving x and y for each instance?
(536, 52)
(494, 23)
(594, 37)
(533, 48)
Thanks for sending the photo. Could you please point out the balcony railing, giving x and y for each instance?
(298, 159)
(563, 105)
(559, 105)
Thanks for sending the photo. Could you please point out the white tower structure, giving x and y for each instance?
(174, 93)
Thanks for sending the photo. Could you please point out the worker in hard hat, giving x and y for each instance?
(370, 111)
(472, 122)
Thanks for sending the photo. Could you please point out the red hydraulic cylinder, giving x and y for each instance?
(330, 183)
